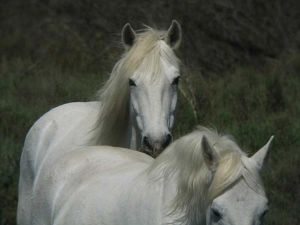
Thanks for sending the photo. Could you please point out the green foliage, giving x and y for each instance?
(250, 104)
(218, 34)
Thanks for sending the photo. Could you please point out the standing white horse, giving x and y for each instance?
(136, 109)
(136, 105)
(201, 179)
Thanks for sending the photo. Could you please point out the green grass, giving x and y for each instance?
(250, 104)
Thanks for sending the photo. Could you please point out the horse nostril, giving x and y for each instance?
(167, 140)
(147, 143)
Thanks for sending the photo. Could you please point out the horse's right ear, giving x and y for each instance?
(209, 154)
(260, 156)
(128, 35)
(174, 35)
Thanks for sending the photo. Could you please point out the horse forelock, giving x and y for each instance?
(234, 166)
(251, 175)
(142, 59)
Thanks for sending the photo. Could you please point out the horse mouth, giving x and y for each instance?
(151, 152)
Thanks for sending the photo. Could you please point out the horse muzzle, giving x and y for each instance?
(155, 147)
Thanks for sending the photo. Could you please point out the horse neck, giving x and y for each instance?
(169, 194)
(152, 199)
(171, 178)
(171, 216)
(168, 183)
(123, 135)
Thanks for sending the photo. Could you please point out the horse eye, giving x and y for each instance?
(131, 82)
(175, 81)
(216, 215)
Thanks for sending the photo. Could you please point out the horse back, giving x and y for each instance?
(89, 180)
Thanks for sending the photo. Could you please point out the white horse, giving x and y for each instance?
(201, 179)
(136, 105)
(135, 109)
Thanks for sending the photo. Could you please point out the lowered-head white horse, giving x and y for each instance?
(202, 178)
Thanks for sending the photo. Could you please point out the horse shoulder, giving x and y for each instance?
(43, 135)
(64, 117)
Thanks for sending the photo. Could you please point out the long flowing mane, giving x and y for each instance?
(184, 159)
(145, 55)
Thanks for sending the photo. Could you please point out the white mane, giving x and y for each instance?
(184, 158)
(145, 55)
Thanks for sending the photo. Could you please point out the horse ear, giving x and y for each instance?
(209, 154)
(128, 35)
(261, 155)
(174, 35)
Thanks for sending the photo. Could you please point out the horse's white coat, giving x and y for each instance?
(112, 120)
(109, 186)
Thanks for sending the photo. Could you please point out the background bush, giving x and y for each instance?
(241, 66)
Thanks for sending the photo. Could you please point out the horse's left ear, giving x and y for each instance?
(209, 154)
(261, 155)
(128, 35)
(174, 35)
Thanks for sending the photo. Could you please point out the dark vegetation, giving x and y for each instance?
(241, 75)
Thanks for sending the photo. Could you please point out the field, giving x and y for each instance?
(250, 104)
